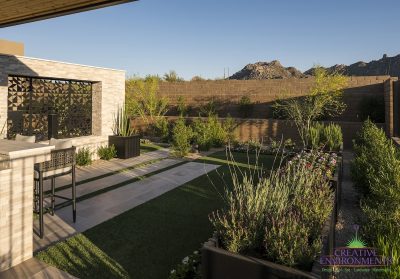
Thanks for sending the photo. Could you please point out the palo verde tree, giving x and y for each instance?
(323, 100)
(142, 99)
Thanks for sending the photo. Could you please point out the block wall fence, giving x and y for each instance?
(263, 93)
(260, 124)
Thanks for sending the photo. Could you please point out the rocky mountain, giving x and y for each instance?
(267, 70)
(274, 70)
(384, 66)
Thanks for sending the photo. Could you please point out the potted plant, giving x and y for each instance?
(124, 138)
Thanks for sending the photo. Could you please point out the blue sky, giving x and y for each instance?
(204, 37)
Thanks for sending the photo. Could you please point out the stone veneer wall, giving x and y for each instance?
(263, 93)
(108, 87)
(16, 205)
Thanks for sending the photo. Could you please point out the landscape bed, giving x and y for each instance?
(218, 262)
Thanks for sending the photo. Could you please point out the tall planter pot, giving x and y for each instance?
(127, 147)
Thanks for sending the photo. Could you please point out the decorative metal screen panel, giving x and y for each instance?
(32, 99)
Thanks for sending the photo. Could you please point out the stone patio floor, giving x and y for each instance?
(34, 269)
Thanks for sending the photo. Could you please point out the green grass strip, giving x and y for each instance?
(149, 147)
(219, 161)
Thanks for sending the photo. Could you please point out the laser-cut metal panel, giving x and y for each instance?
(31, 99)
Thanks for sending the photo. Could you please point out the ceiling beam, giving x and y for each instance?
(35, 15)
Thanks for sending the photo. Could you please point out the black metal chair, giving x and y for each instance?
(62, 162)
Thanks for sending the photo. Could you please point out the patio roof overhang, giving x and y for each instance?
(14, 12)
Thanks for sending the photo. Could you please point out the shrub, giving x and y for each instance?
(209, 108)
(145, 141)
(217, 131)
(188, 269)
(210, 133)
(289, 145)
(84, 157)
(182, 108)
(245, 106)
(201, 134)
(372, 150)
(161, 129)
(314, 136)
(241, 225)
(281, 215)
(181, 138)
(229, 127)
(107, 152)
(329, 137)
(287, 241)
(332, 137)
(376, 174)
(389, 246)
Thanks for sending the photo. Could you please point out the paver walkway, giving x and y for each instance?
(101, 167)
(100, 208)
(108, 181)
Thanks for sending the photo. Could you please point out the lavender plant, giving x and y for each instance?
(279, 216)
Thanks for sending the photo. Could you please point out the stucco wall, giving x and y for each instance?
(108, 87)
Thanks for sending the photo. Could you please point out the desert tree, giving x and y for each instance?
(143, 99)
(324, 99)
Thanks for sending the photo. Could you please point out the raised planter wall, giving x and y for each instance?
(218, 263)
(329, 232)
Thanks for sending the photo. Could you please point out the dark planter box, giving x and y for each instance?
(127, 147)
(218, 263)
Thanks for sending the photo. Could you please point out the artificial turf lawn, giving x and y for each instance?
(149, 240)
(148, 147)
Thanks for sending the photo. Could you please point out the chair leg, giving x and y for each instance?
(73, 194)
(35, 196)
(41, 220)
(53, 192)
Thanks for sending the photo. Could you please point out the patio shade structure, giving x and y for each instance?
(14, 12)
